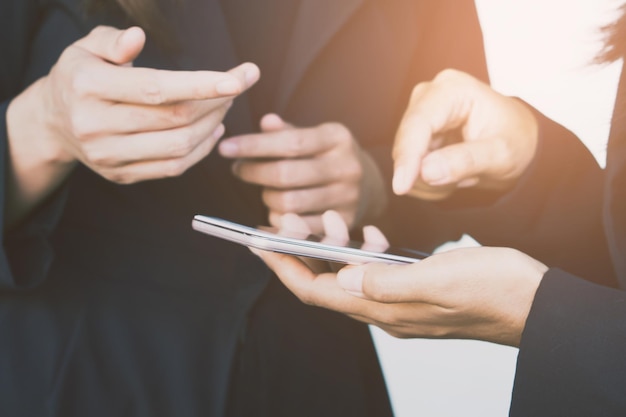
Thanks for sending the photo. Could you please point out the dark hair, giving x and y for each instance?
(615, 39)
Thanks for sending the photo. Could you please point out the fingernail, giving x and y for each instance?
(252, 75)
(124, 34)
(435, 171)
(351, 280)
(399, 182)
(228, 87)
(228, 148)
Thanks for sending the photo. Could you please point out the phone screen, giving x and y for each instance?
(301, 244)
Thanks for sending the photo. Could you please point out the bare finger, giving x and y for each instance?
(319, 290)
(156, 169)
(284, 143)
(311, 200)
(154, 146)
(335, 227)
(112, 44)
(434, 108)
(157, 87)
(285, 174)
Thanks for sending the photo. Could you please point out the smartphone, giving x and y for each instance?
(301, 244)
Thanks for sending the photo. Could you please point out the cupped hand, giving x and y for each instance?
(129, 124)
(308, 171)
(474, 293)
(479, 293)
(458, 132)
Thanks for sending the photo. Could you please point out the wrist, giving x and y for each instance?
(36, 161)
(31, 129)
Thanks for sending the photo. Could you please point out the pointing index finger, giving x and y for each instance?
(411, 144)
(435, 107)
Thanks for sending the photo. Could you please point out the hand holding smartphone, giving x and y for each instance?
(299, 244)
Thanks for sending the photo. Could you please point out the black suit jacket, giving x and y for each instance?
(571, 360)
(111, 305)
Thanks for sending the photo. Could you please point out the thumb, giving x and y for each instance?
(272, 122)
(114, 45)
(380, 282)
(460, 162)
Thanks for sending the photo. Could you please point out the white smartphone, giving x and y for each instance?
(299, 244)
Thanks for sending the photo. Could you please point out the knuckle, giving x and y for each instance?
(81, 126)
(308, 298)
(65, 58)
(448, 74)
(337, 131)
(344, 196)
(96, 156)
(284, 174)
(387, 317)
(376, 290)
(502, 152)
(351, 170)
(181, 114)
(269, 199)
(81, 83)
(174, 167)
(117, 176)
(98, 30)
(249, 147)
(288, 202)
(417, 90)
(295, 146)
(150, 91)
(182, 144)
(227, 105)
(440, 332)
(467, 162)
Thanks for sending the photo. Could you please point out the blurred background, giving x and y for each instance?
(542, 52)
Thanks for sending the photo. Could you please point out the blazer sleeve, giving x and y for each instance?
(571, 360)
(32, 37)
(555, 213)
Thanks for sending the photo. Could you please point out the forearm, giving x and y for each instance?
(36, 165)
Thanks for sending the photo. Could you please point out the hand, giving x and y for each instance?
(127, 124)
(458, 132)
(474, 293)
(308, 171)
(130, 124)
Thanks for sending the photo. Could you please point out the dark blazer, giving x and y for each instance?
(571, 360)
(110, 304)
